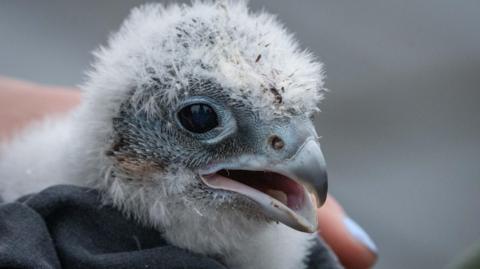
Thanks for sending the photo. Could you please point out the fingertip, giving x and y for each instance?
(360, 234)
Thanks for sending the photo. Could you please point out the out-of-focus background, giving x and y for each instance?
(401, 126)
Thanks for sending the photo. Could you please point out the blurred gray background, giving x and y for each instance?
(401, 125)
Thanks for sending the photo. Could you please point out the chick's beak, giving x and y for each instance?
(288, 190)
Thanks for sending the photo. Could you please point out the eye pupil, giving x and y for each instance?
(198, 118)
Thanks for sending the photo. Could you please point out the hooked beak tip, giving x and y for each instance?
(322, 194)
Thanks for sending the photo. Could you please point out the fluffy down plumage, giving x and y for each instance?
(121, 139)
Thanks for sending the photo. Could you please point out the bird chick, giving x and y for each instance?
(196, 120)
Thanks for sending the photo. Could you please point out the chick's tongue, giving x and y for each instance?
(281, 188)
(279, 195)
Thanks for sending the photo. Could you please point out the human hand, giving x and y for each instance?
(354, 248)
(21, 103)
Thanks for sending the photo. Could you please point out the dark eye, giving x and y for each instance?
(198, 118)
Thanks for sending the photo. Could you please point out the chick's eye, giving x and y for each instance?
(198, 118)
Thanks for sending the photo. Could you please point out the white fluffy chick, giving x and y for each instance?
(195, 120)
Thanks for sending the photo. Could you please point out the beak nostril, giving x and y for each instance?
(276, 142)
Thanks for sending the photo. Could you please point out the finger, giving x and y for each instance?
(23, 102)
(347, 239)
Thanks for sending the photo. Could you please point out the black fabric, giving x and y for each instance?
(68, 227)
(321, 257)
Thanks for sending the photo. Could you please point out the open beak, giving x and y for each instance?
(287, 191)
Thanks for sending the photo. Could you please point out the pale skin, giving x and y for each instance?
(22, 103)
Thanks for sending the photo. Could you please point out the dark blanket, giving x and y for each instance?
(68, 227)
